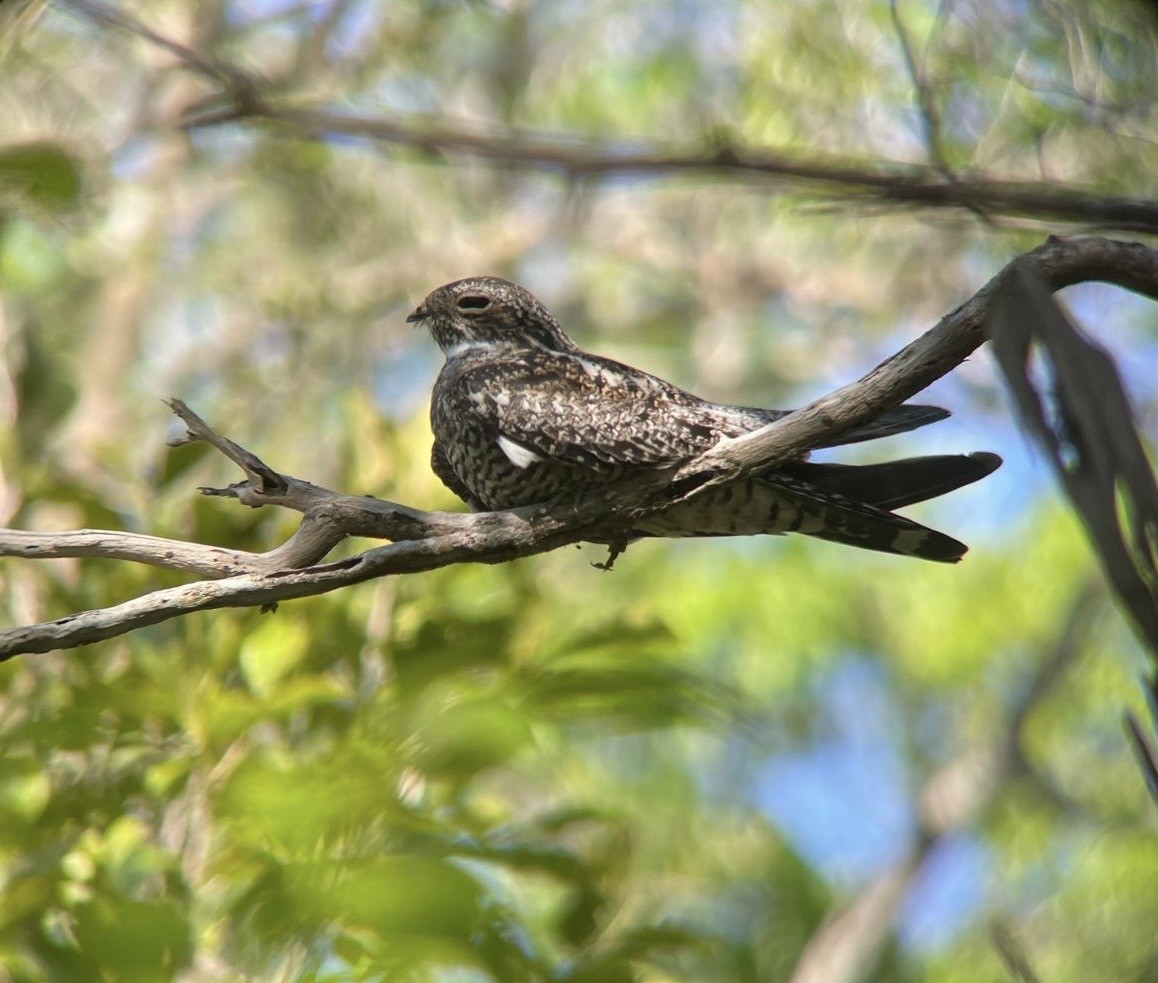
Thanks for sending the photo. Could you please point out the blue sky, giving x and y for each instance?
(845, 804)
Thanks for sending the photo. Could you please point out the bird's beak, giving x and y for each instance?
(417, 315)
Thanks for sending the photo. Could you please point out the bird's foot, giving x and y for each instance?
(615, 549)
(612, 556)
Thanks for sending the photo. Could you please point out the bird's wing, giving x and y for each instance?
(584, 410)
(898, 419)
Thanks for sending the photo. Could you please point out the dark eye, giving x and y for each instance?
(473, 302)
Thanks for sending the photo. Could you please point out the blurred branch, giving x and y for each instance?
(240, 99)
(845, 947)
(427, 540)
(927, 105)
(848, 944)
(903, 185)
(240, 85)
(1144, 748)
(312, 52)
(1081, 415)
(1012, 955)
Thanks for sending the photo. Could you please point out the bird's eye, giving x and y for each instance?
(473, 302)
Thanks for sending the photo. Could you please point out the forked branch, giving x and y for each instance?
(427, 540)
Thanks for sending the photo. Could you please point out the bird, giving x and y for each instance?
(522, 416)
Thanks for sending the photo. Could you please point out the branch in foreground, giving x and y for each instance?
(240, 98)
(428, 540)
(1083, 420)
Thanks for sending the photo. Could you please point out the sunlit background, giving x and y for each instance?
(689, 768)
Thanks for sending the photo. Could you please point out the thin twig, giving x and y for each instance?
(1012, 953)
(926, 103)
(242, 88)
(927, 108)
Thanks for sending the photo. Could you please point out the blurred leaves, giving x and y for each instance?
(39, 174)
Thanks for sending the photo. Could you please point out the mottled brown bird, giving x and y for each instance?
(521, 415)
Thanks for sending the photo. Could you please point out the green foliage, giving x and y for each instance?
(39, 174)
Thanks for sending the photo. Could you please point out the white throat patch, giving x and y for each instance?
(462, 347)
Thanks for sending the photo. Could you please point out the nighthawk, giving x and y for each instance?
(522, 415)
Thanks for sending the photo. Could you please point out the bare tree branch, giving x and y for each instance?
(241, 99)
(908, 185)
(1060, 262)
(427, 540)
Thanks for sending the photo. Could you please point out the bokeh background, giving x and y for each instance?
(770, 759)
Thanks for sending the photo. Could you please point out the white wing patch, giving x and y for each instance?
(517, 454)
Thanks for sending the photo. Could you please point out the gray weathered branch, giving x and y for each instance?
(426, 540)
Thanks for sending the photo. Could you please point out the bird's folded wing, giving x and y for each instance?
(585, 411)
(899, 419)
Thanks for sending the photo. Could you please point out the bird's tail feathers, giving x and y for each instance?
(895, 484)
(847, 504)
(830, 515)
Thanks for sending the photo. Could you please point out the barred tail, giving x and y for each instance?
(842, 503)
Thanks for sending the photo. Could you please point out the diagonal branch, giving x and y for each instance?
(1060, 263)
(232, 79)
(427, 540)
(240, 98)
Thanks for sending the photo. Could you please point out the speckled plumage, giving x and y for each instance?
(522, 415)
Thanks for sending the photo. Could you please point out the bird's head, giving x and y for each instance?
(488, 313)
